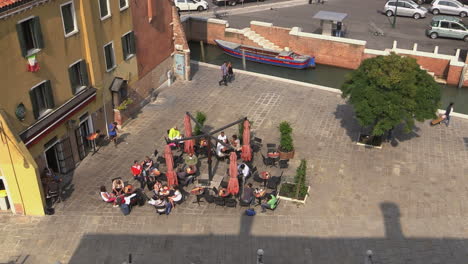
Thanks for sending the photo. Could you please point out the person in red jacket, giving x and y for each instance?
(137, 173)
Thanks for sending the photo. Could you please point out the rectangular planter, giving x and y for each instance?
(292, 199)
(367, 145)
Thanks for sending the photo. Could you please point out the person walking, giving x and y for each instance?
(230, 72)
(113, 132)
(224, 72)
(448, 111)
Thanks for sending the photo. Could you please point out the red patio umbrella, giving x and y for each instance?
(188, 146)
(170, 174)
(246, 150)
(233, 185)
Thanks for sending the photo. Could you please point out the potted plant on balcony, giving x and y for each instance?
(286, 147)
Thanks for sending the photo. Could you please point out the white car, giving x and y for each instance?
(449, 7)
(404, 8)
(188, 5)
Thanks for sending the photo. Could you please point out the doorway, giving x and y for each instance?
(5, 202)
(85, 128)
(51, 156)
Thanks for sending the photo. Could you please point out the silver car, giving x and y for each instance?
(404, 8)
(449, 7)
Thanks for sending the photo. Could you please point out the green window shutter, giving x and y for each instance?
(84, 72)
(22, 42)
(132, 43)
(124, 47)
(49, 95)
(38, 33)
(33, 98)
(73, 80)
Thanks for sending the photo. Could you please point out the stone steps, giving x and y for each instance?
(265, 43)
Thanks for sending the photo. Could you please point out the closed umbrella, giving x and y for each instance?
(188, 146)
(246, 150)
(170, 174)
(233, 185)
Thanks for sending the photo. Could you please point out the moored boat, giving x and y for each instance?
(278, 58)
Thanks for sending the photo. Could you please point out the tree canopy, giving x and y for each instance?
(389, 90)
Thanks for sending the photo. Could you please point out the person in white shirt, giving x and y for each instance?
(222, 137)
(176, 197)
(244, 170)
(221, 150)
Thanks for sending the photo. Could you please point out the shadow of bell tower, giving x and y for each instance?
(391, 215)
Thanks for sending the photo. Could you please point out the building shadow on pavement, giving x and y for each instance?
(394, 247)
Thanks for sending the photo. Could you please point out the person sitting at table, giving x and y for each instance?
(270, 204)
(184, 178)
(174, 133)
(221, 150)
(248, 194)
(235, 143)
(118, 187)
(159, 203)
(157, 187)
(222, 137)
(147, 165)
(191, 159)
(106, 196)
(176, 197)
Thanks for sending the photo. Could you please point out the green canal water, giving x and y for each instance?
(322, 75)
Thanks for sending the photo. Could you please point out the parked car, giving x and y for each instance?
(404, 8)
(233, 2)
(447, 27)
(420, 2)
(188, 5)
(449, 7)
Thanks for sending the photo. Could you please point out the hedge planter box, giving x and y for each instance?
(369, 141)
(286, 155)
(288, 192)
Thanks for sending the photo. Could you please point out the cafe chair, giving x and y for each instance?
(215, 191)
(256, 177)
(283, 164)
(231, 202)
(219, 201)
(274, 181)
(208, 198)
(224, 184)
(244, 204)
(266, 161)
(256, 144)
(272, 147)
(161, 160)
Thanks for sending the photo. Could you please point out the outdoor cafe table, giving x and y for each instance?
(259, 194)
(223, 192)
(198, 191)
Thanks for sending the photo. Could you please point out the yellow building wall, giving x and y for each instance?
(20, 172)
(54, 59)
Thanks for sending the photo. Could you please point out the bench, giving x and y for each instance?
(220, 15)
(376, 31)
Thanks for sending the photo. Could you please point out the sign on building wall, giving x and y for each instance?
(180, 64)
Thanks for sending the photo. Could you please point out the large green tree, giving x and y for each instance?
(389, 90)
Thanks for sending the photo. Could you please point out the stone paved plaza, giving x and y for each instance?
(406, 202)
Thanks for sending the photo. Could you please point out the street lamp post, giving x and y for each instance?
(260, 256)
(394, 15)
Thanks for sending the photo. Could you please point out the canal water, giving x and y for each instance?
(322, 75)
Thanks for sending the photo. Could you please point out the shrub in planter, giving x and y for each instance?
(201, 118)
(286, 146)
(124, 105)
(297, 190)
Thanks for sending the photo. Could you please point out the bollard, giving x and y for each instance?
(368, 259)
(260, 256)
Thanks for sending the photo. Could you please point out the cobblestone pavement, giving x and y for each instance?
(407, 202)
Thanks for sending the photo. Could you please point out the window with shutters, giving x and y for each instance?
(42, 99)
(30, 36)
(78, 76)
(69, 19)
(123, 4)
(128, 45)
(109, 56)
(104, 9)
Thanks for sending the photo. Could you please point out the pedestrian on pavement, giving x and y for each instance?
(113, 132)
(448, 111)
(230, 72)
(137, 170)
(224, 73)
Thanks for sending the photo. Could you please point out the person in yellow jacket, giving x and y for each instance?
(174, 133)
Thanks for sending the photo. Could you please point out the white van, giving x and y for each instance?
(188, 5)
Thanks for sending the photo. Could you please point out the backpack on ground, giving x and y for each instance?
(125, 208)
(250, 212)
